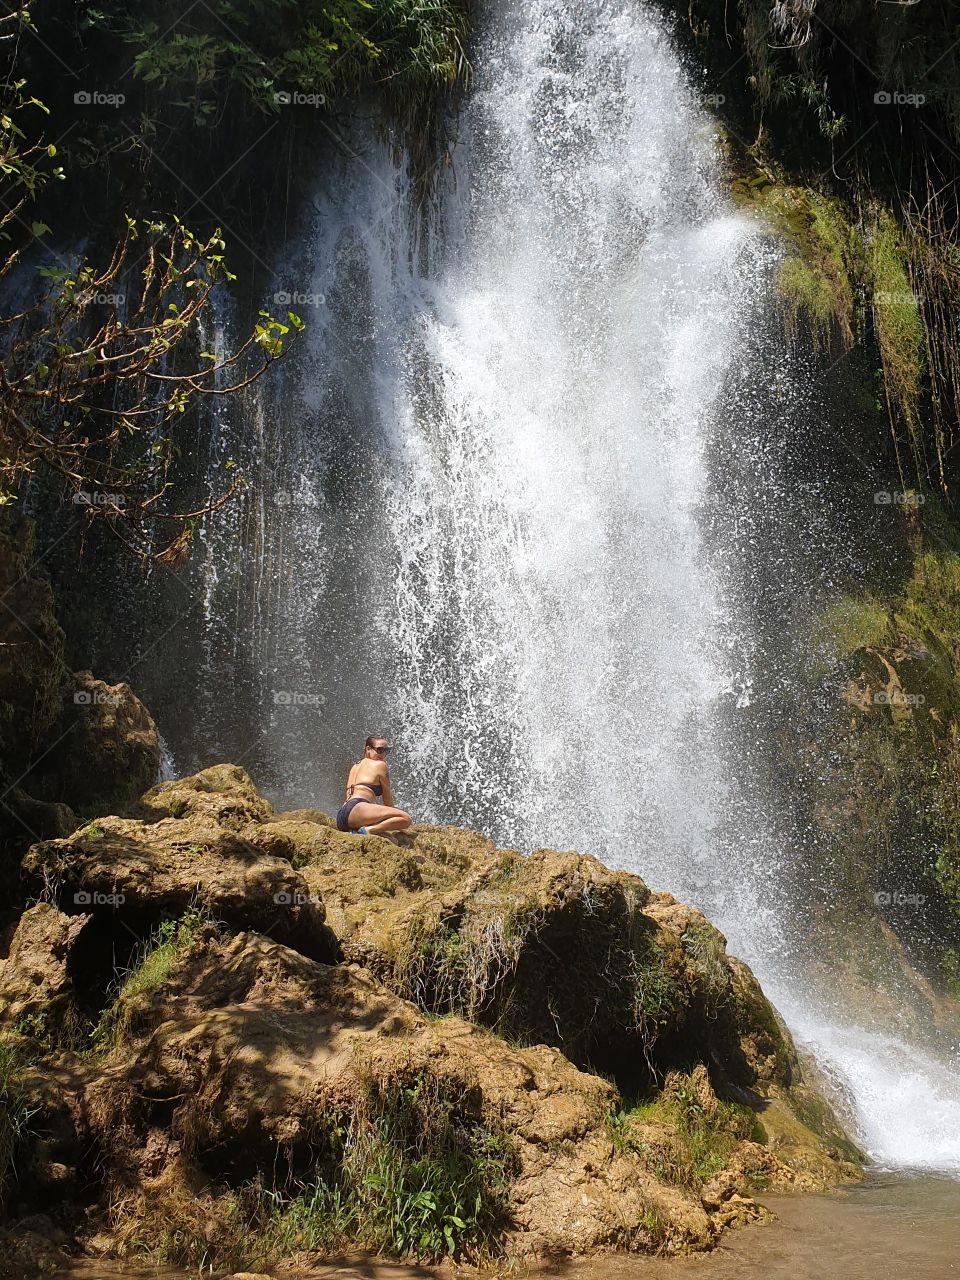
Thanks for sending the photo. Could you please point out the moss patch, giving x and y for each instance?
(684, 1138)
(816, 280)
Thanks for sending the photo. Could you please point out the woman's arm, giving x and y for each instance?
(385, 783)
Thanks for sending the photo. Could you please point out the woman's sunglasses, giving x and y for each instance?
(383, 751)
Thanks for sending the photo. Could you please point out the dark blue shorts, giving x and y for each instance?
(343, 813)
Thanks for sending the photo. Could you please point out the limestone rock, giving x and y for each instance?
(242, 1057)
(144, 872)
(459, 926)
(259, 1046)
(41, 819)
(107, 751)
(223, 794)
(36, 989)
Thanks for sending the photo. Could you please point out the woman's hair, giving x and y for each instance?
(374, 737)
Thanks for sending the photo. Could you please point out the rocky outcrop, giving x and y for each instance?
(106, 750)
(223, 794)
(460, 927)
(264, 1047)
(874, 744)
(136, 874)
(69, 743)
(307, 1018)
(36, 989)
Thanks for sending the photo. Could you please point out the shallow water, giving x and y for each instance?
(890, 1227)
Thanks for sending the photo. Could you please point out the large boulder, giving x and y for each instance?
(458, 926)
(264, 1055)
(36, 987)
(223, 794)
(106, 750)
(485, 1017)
(140, 873)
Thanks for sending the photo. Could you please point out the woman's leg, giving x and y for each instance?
(396, 820)
(362, 814)
(378, 818)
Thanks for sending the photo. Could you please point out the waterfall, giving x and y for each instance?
(555, 631)
(480, 502)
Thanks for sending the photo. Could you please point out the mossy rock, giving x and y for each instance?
(107, 750)
(224, 793)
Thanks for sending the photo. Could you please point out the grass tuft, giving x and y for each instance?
(151, 967)
(683, 1141)
(15, 1113)
(407, 1168)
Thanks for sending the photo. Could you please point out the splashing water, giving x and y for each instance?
(557, 650)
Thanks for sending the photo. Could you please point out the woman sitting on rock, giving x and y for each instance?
(368, 807)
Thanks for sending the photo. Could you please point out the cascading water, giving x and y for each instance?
(557, 638)
(479, 526)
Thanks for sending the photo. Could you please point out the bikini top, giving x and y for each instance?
(375, 787)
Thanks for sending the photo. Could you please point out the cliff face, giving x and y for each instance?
(233, 1034)
(834, 118)
(69, 743)
(874, 750)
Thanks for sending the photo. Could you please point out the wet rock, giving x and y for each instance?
(107, 750)
(28, 1251)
